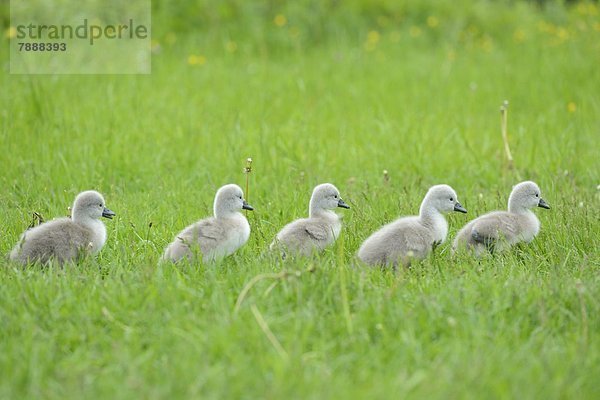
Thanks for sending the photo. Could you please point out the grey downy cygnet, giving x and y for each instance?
(66, 239)
(498, 230)
(412, 238)
(214, 237)
(310, 235)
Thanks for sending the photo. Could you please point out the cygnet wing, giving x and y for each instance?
(60, 239)
(411, 236)
(495, 226)
(317, 231)
(209, 230)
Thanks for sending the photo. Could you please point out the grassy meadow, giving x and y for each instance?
(313, 94)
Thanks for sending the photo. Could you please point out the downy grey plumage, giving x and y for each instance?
(498, 230)
(321, 229)
(412, 238)
(215, 237)
(66, 239)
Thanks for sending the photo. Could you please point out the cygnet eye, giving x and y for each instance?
(335, 196)
(100, 205)
(451, 199)
(537, 195)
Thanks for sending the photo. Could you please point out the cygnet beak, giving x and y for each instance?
(342, 204)
(458, 207)
(247, 206)
(108, 213)
(543, 204)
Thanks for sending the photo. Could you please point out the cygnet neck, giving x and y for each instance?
(319, 213)
(81, 218)
(315, 211)
(428, 213)
(222, 212)
(515, 207)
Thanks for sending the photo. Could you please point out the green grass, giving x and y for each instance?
(426, 108)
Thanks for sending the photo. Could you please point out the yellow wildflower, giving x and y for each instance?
(562, 34)
(373, 37)
(10, 32)
(415, 31)
(231, 46)
(196, 60)
(432, 21)
(280, 20)
(587, 9)
(486, 43)
(519, 35)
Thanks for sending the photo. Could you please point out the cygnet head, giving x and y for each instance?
(90, 205)
(326, 197)
(443, 199)
(230, 200)
(524, 196)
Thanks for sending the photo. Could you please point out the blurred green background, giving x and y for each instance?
(313, 91)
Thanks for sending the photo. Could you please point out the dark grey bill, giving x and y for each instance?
(247, 206)
(543, 204)
(342, 204)
(458, 207)
(108, 213)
